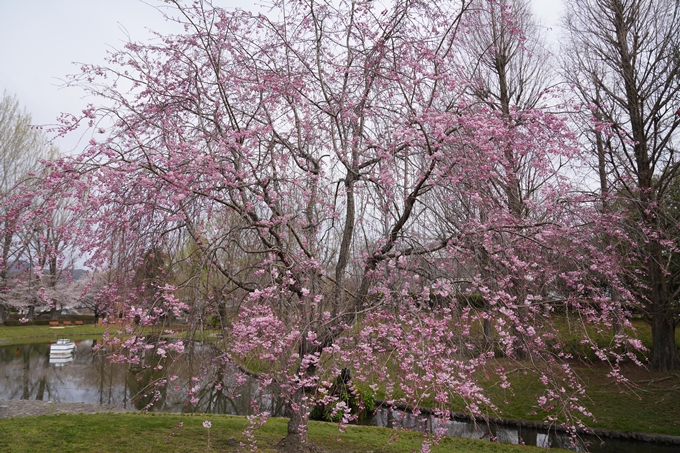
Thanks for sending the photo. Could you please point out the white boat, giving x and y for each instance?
(63, 347)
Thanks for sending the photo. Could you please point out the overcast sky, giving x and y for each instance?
(40, 40)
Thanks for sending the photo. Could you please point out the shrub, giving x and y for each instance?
(473, 300)
(214, 321)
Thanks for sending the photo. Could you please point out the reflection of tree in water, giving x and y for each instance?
(43, 385)
(223, 389)
(33, 359)
(26, 372)
(111, 378)
(227, 390)
(145, 382)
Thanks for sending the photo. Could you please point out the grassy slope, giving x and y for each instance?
(649, 405)
(136, 433)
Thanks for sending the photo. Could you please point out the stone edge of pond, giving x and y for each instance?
(599, 432)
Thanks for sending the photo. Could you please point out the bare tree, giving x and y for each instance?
(50, 246)
(504, 55)
(510, 75)
(623, 58)
(21, 149)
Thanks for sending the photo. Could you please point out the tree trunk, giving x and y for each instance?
(617, 323)
(298, 410)
(222, 312)
(487, 332)
(296, 438)
(664, 349)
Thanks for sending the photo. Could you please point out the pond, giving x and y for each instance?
(31, 372)
(515, 434)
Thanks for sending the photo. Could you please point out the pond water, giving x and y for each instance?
(31, 372)
(515, 434)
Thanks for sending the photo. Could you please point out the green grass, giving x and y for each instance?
(648, 405)
(572, 337)
(36, 334)
(136, 433)
(40, 334)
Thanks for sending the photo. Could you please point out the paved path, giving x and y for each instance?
(32, 408)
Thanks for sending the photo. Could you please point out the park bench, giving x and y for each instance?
(54, 323)
(67, 323)
(79, 323)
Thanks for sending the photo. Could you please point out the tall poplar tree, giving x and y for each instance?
(624, 59)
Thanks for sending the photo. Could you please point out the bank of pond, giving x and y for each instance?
(76, 371)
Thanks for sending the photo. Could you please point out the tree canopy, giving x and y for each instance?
(384, 188)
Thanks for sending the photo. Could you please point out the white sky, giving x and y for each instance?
(41, 39)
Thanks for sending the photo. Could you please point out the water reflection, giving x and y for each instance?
(469, 430)
(31, 372)
(513, 434)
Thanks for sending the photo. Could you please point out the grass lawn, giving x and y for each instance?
(137, 433)
(37, 334)
(40, 334)
(648, 405)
